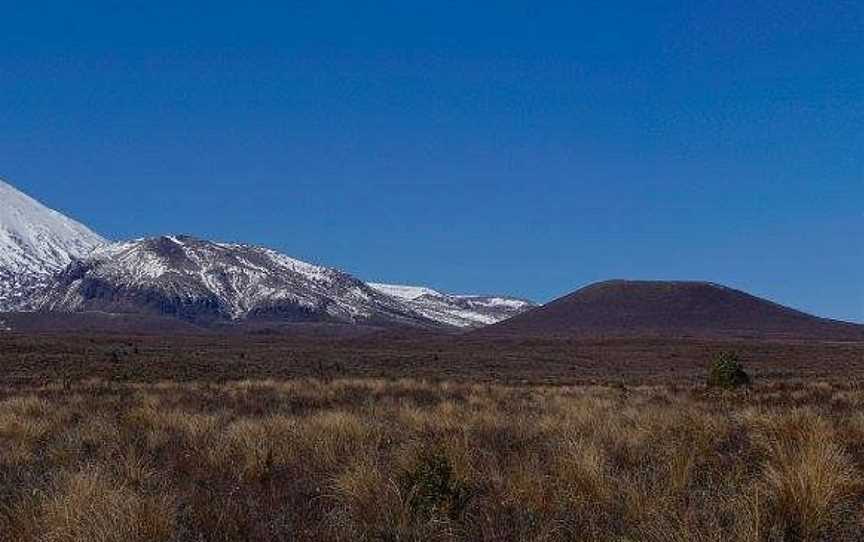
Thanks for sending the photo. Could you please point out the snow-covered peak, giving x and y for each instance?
(36, 238)
(35, 243)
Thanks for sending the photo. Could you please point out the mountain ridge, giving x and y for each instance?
(49, 262)
(199, 280)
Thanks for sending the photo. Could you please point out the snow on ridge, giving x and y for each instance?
(403, 292)
(466, 311)
(495, 301)
(233, 280)
(202, 254)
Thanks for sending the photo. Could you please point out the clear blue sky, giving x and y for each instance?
(516, 147)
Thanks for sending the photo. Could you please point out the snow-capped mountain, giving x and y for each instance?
(203, 281)
(51, 263)
(35, 243)
(465, 311)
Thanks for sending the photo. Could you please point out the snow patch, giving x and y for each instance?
(403, 292)
(466, 311)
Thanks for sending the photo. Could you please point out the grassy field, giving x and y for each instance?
(139, 438)
(406, 459)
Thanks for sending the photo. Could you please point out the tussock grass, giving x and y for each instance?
(90, 504)
(377, 459)
(809, 477)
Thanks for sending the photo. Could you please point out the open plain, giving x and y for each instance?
(424, 437)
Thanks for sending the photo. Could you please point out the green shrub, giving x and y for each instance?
(727, 372)
(432, 488)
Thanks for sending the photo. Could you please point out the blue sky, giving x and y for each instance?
(517, 147)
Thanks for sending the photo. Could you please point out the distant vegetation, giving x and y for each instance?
(386, 459)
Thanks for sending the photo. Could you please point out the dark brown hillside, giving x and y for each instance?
(667, 308)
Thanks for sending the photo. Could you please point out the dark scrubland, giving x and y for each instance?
(214, 358)
(424, 437)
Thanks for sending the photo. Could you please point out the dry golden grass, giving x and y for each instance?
(808, 475)
(376, 459)
(90, 504)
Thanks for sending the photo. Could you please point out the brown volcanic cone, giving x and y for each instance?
(667, 308)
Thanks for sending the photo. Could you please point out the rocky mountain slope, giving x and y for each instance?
(670, 308)
(35, 243)
(201, 281)
(465, 311)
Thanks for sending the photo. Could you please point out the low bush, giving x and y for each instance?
(432, 488)
(727, 372)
